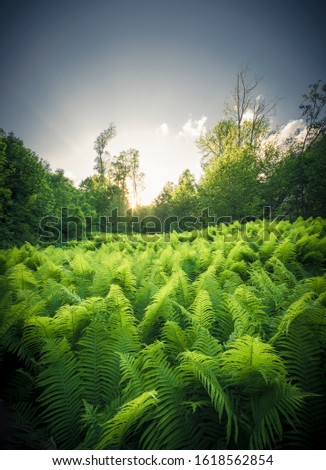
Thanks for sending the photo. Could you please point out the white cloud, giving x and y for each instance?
(163, 129)
(76, 180)
(248, 115)
(193, 128)
(294, 128)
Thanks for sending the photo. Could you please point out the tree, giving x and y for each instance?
(313, 109)
(26, 194)
(230, 186)
(136, 177)
(250, 113)
(66, 195)
(125, 169)
(163, 202)
(215, 141)
(119, 170)
(99, 146)
(101, 198)
(184, 197)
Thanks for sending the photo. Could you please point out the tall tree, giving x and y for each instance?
(215, 141)
(99, 146)
(119, 170)
(27, 194)
(249, 111)
(125, 173)
(313, 109)
(184, 198)
(136, 177)
(163, 202)
(230, 185)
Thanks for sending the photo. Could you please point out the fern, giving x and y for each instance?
(69, 321)
(93, 365)
(160, 308)
(21, 278)
(175, 338)
(205, 369)
(202, 311)
(167, 429)
(116, 430)
(61, 392)
(198, 341)
(279, 401)
(250, 362)
(296, 309)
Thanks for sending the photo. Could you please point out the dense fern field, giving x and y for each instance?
(214, 340)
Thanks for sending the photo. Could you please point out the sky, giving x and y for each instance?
(160, 70)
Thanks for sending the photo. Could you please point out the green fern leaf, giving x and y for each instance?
(61, 393)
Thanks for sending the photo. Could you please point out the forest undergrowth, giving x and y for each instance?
(207, 340)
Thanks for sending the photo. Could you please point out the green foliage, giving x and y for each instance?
(116, 430)
(212, 343)
(60, 396)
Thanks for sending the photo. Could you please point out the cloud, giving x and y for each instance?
(294, 128)
(193, 128)
(248, 115)
(76, 180)
(163, 129)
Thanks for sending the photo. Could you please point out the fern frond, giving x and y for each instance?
(58, 295)
(285, 251)
(202, 311)
(70, 320)
(143, 298)
(167, 429)
(136, 411)
(95, 372)
(61, 392)
(250, 362)
(21, 278)
(293, 312)
(205, 370)
(247, 312)
(132, 382)
(205, 343)
(37, 330)
(159, 309)
(279, 401)
(175, 338)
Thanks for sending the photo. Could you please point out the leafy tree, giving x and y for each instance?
(163, 202)
(66, 195)
(103, 199)
(185, 198)
(136, 177)
(230, 185)
(125, 173)
(305, 174)
(273, 178)
(313, 109)
(27, 195)
(250, 113)
(120, 170)
(100, 143)
(5, 192)
(215, 141)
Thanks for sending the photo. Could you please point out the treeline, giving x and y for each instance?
(245, 166)
(30, 191)
(239, 183)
